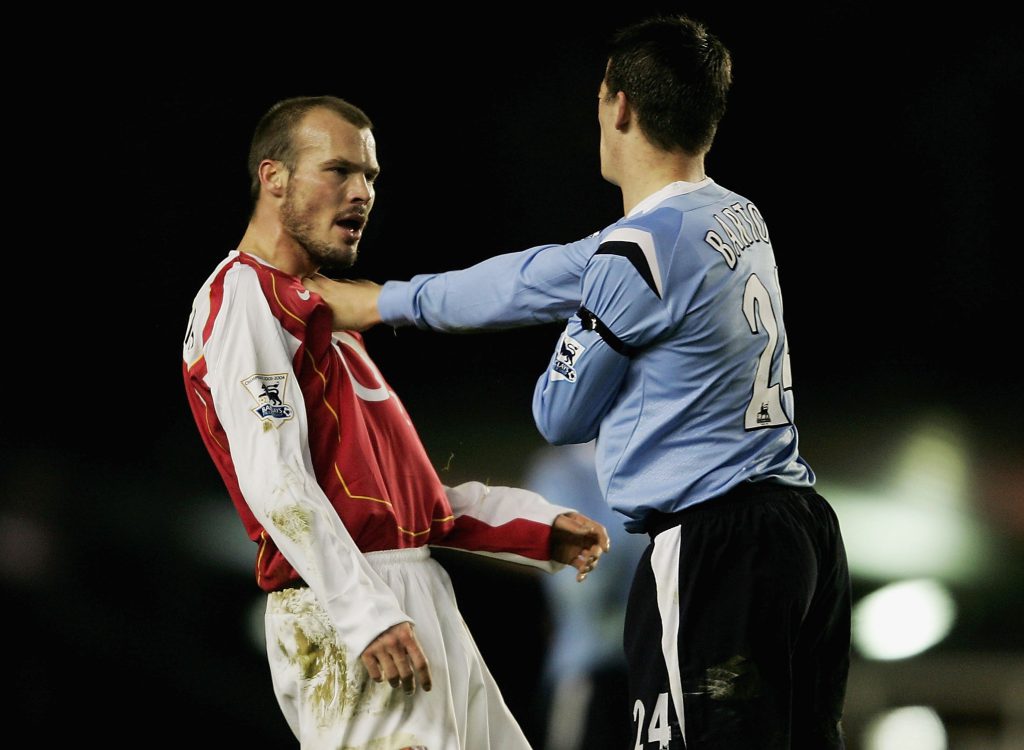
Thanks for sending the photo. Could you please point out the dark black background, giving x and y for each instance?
(883, 153)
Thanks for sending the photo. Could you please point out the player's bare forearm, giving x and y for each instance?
(353, 302)
(396, 656)
(578, 541)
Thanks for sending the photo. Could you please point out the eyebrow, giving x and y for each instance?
(352, 167)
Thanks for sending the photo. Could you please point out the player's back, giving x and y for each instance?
(707, 401)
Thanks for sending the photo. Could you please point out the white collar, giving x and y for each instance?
(257, 258)
(672, 189)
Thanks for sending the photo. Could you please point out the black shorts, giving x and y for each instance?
(739, 617)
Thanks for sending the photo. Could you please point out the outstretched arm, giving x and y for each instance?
(538, 285)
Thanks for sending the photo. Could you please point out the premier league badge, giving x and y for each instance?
(268, 391)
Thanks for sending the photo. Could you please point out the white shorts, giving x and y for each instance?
(329, 700)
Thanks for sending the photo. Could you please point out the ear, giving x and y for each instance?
(623, 112)
(273, 176)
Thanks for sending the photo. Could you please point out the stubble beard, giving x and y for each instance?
(327, 257)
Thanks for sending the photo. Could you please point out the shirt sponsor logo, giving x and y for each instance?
(569, 352)
(268, 391)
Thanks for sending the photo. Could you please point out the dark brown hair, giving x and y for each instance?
(676, 77)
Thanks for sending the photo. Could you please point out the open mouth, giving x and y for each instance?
(353, 225)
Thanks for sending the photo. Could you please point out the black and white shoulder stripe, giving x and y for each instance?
(636, 246)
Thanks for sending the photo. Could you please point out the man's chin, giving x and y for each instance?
(338, 260)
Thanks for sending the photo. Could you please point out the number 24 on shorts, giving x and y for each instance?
(659, 731)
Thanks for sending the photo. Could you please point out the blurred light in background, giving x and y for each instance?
(918, 522)
(902, 619)
(256, 622)
(931, 519)
(30, 549)
(213, 534)
(907, 728)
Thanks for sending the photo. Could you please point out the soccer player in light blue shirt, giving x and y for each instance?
(675, 358)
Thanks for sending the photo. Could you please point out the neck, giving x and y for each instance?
(266, 239)
(650, 169)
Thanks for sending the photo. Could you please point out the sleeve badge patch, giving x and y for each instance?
(564, 365)
(268, 392)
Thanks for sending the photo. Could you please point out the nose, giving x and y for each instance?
(360, 189)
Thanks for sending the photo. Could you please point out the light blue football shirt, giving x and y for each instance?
(674, 356)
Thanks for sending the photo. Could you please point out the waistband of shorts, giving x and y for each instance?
(743, 493)
(376, 559)
(384, 557)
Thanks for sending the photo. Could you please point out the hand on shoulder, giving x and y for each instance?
(353, 302)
